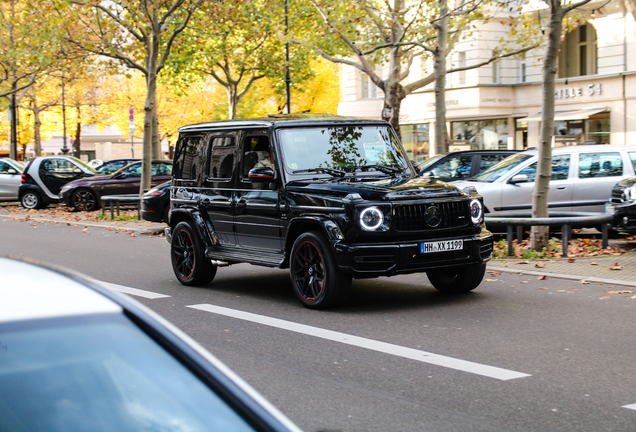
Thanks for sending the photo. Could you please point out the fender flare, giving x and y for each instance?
(201, 223)
(327, 226)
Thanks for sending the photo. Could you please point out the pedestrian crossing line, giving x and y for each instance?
(133, 291)
(370, 344)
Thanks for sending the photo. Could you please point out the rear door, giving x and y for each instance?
(598, 172)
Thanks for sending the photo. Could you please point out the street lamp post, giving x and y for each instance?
(287, 77)
(64, 147)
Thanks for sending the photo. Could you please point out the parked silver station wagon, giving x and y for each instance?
(582, 178)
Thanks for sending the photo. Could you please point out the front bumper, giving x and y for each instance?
(624, 217)
(373, 260)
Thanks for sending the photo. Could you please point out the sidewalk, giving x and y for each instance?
(608, 269)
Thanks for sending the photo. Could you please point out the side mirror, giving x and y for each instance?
(428, 174)
(519, 178)
(12, 171)
(261, 175)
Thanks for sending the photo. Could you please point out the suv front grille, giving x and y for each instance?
(411, 217)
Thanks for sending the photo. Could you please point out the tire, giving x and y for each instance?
(84, 200)
(457, 280)
(31, 200)
(189, 263)
(317, 281)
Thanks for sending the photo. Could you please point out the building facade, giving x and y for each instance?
(499, 105)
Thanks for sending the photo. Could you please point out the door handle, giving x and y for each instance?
(561, 187)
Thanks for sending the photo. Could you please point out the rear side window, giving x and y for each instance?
(222, 158)
(607, 164)
(189, 158)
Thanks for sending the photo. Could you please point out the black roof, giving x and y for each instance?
(281, 119)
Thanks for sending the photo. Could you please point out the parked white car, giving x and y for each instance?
(582, 178)
(10, 176)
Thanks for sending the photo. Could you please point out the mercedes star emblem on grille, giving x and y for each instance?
(433, 216)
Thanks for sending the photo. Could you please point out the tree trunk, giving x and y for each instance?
(393, 92)
(441, 133)
(156, 141)
(77, 143)
(541, 234)
(232, 100)
(37, 126)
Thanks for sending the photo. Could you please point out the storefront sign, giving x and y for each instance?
(448, 102)
(572, 92)
(500, 100)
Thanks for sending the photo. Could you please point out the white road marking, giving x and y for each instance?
(387, 348)
(133, 291)
(631, 407)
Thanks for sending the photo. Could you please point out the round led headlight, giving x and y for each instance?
(371, 218)
(476, 211)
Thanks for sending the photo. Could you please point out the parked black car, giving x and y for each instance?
(85, 194)
(461, 164)
(623, 204)
(111, 166)
(44, 177)
(329, 197)
(155, 204)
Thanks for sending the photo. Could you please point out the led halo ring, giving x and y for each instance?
(480, 211)
(377, 214)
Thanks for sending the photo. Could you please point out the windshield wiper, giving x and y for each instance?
(382, 168)
(333, 171)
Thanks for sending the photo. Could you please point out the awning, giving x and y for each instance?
(567, 115)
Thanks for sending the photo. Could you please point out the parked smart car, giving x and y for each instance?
(84, 194)
(44, 176)
(10, 179)
(75, 356)
(582, 178)
(329, 197)
(461, 164)
(623, 205)
(111, 166)
(155, 204)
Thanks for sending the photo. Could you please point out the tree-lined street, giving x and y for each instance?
(566, 344)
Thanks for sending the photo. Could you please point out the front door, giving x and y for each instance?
(257, 212)
(55, 173)
(9, 181)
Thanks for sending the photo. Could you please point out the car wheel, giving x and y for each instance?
(189, 263)
(85, 200)
(31, 200)
(318, 282)
(457, 279)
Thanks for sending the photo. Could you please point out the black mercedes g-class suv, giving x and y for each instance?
(332, 198)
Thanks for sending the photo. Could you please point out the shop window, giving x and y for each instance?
(600, 165)
(415, 139)
(578, 53)
(480, 135)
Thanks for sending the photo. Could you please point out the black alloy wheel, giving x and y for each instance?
(457, 280)
(189, 262)
(318, 282)
(31, 200)
(85, 200)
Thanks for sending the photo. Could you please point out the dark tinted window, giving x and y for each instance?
(189, 157)
(222, 158)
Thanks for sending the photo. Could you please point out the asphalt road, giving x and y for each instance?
(517, 354)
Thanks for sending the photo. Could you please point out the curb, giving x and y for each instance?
(562, 276)
(140, 230)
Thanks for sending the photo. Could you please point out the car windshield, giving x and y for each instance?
(86, 166)
(430, 161)
(337, 150)
(502, 168)
(100, 373)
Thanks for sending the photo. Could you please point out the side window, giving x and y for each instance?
(560, 168)
(489, 160)
(255, 151)
(4, 168)
(222, 158)
(607, 164)
(632, 156)
(58, 166)
(189, 158)
(454, 168)
(133, 170)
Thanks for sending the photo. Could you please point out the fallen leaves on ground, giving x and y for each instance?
(616, 267)
(620, 292)
(585, 247)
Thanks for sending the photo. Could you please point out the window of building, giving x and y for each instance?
(522, 72)
(480, 134)
(461, 62)
(578, 132)
(368, 88)
(415, 139)
(578, 53)
(496, 70)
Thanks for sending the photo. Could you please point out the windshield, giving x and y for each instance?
(502, 168)
(86, 166)
(430, 161)
(337, 150)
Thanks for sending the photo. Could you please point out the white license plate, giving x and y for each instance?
(441, 246)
